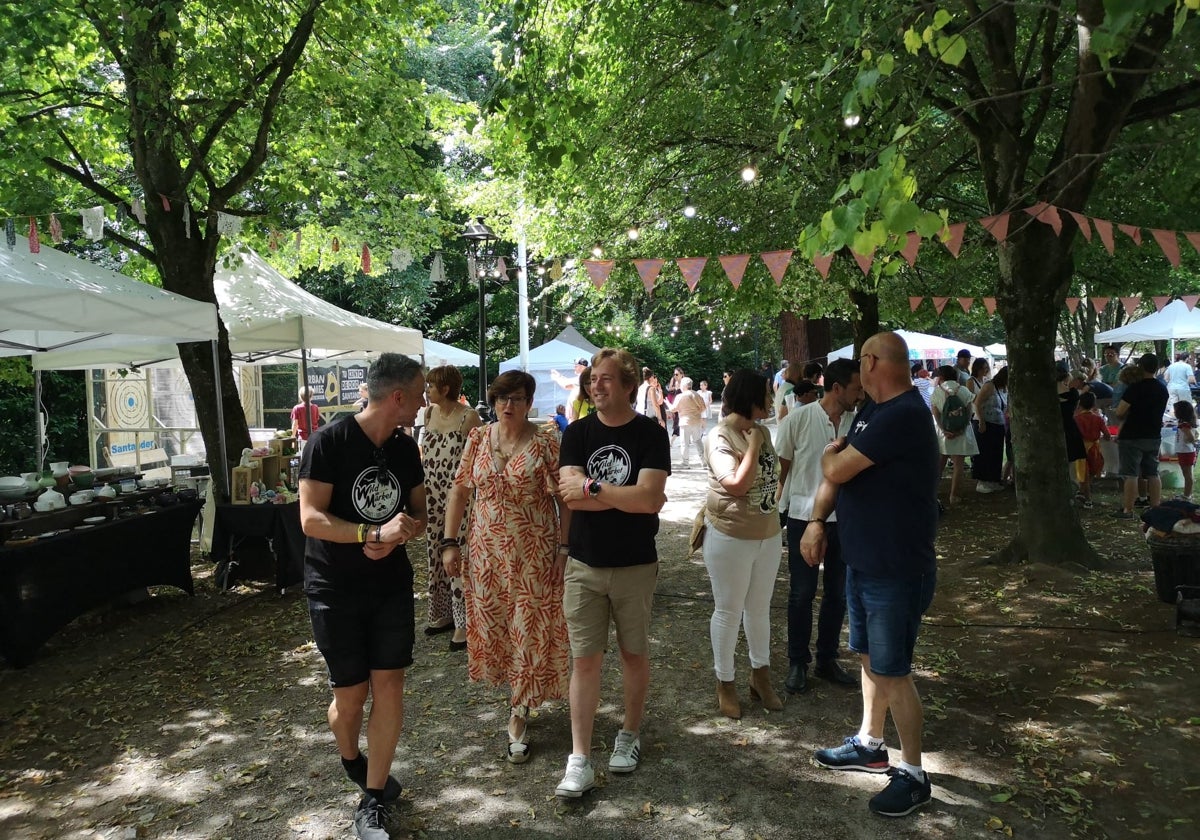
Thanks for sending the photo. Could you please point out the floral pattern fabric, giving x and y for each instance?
(441, 453)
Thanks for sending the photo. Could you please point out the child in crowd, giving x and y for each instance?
(1093, 429)
(1185, 443)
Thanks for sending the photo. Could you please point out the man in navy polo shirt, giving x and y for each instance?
(883, 478)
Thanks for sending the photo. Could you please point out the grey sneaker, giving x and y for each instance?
(579, 778)
(369, 820)
(627, 751)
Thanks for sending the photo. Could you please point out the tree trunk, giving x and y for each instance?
(867, 323)
(804, 339)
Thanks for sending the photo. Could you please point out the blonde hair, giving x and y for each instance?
(627, 365)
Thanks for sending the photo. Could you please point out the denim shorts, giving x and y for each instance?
(884, 617)
(1139, 457)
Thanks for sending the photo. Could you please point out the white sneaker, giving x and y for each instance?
(627, 751)
(579, 778)
(988, 487)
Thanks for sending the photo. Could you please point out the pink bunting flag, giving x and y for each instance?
(337, 244)
(1130, 304)
(912, 244)
(502, 268)
(1133, 232)
(952, 238)
(1169, 243)
(691, 268)
(1160, 301)
(1082, 222)
(366, 259)
(1046, 214)
(864, 261)
(1098, 303)
(166, 203)
(35, 244)
(939, 303)
(1104, 228)
(648, 270)
(996, 225)
(1190, 300)
(913, 303)
(966, 303)
(989, 303)
(1072, 304)
(599, 270)
(822, 262)
(1193, 238)
(735, 267)
(56, 235)
(777, 263)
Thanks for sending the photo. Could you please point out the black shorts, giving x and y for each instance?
(362, 632)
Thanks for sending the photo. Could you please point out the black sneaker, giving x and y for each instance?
(356, 771)
(852, 755)
(369, 819)
(903, 795)
(1142, 501)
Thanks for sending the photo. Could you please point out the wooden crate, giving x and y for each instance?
(240, 480)
(270, 467)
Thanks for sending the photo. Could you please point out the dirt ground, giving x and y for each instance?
(1059, 703)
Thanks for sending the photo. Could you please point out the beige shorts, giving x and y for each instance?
(592, 597)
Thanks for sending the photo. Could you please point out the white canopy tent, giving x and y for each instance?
(437, 354)
(1173, 321)
(558, 356)
(997, 350)
(923, 347)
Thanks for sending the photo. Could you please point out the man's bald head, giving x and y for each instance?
(885, 371)
(888, 347)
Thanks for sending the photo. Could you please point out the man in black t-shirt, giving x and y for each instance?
(615, 464)
(362, 498)
(1141, 414)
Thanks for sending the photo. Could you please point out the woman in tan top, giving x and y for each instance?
(741, 548)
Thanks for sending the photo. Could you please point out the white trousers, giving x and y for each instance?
(743, 574)
(689, 436)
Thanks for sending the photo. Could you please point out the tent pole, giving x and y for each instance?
(39, 431)
(223, 460)
(523, 289)
(304, 378)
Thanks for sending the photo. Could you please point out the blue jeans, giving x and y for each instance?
(885, 615)
(804, 589)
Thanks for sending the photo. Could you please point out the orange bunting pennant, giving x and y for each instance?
(1046, 214)
(912, 244)
(1167, 240)
(1130, 304)
(366, 259)
(1072, 304)
(692, 268)
(35, 244)
(777, 263)
(1098, 303)
(952, 238)
(939, 303)
(1133, 232)
(1160, 301)
(822, 262)
(502, 268)
(996, 225)
(1190, 300)
(735, 267)
(864, 261)
(1104, 228)
(1082, 222)
(913, 303)
(56, 234)
(598, 271)
(166, 203)
(648, 270)
(989, 303)
(966, 303)
(1193, 238)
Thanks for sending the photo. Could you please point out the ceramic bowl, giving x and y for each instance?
(12, 482)
(106, 492)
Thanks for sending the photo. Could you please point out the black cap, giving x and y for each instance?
(964, 352)
(582, 361)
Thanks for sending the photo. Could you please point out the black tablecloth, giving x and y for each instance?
(48, 583)
(279, 525)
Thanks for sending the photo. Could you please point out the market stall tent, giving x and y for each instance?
(1173, 321)
(555, 356)
(437, 354)
(923, 347)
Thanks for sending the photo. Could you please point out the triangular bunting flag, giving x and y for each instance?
(1082, 221)
(502, 268)
(912, 244)
(648, 270)
(35, 244)
(55, 230)
(1072, 304)
(735, 268)
(366, 259)
(1169, 243)
(1190, 300)
(1047, 214)
(437, 270)
(913, 303)
(777, 263)
(692, 268)
(1130, 304)
(139, 211)
(864, 261)
(939, 303)
(1194, 238)
(965, 303)
(822, 262)
(1098, 303)
(996, 225)
(599, 270)
(989, 303)
(1104, 228)
(1160, 301)
(952, 238)
(1133, 232)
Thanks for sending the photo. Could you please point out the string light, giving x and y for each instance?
(597, 251)
(689, 212)
(632, 233)
(851, 120)
(749, 173)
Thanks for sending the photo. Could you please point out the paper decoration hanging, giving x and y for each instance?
(1047, 214)
(273, 241)
(93, 223)
(965, 303)
(1160, 301)
(913, 303)
(56, 235)
(401, 258)
(777, 263)
(912, 245)
(298, 240)
(692, 268)
(228, 224)
(822, 263)
(1130, 304)
(502, 267)
(437, 271)
(735, 267)
(35, 245)
(648, 270)
(10, 233)
(166, 203)
(556, 270)
(864, 261)
(187, 219)
(1072, 304)
(1190, 300)
(139, 211)
(939, 303)
(1133, 232)
(989, 303)
(337, 245)
(366, 259)
(121, 214)
(1098, 303)
(1082, 222)
(1168, 243)
(952, 238)
(598, 271)
(996, 225)
(1105, 229)
(1193, 238)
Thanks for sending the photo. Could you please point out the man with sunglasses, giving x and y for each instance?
(362, 498)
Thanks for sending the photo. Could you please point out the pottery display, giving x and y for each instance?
(31, 480)
(106, 492)
(60, 468)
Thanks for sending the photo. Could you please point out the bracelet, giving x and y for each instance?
(450, 541)
(378, 533)
(586, 482)
(363, 527)
(565, 550)
(831, 447)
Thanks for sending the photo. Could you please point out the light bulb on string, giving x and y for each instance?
(749, 173)
(632, 233)
(689, 211)
(570, 319)
(851, 120)
(597, 251)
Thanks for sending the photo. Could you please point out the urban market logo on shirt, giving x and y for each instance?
(610, 464)
(376, 494)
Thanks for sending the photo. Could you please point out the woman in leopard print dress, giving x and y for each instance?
(447, 423)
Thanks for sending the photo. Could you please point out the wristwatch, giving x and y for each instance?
(594, 487)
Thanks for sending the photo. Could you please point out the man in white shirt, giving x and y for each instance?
(1180, 378)
(923, 383)
(802, 437)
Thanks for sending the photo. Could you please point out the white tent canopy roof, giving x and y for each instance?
(50, 301)
(269, 319)
(437, 354)
(570, 335)
(1173, 321)
(922, 346)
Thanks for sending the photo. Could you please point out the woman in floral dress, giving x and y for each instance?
(443, 437)
(513, 575)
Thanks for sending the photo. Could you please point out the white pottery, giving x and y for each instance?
(107, 492)
(31, 480)
(12, 482)
(53, 498)
(60, 468)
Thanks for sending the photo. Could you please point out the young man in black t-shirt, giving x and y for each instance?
(615, 464)
(362, 498)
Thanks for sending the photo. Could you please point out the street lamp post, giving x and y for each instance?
(481, 242)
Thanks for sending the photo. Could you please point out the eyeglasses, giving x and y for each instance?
(513, 399)
(867, 356)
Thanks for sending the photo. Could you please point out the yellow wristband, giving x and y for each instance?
(363, 528)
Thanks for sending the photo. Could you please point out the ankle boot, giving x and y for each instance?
(761, 689)
(727, 700)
